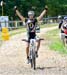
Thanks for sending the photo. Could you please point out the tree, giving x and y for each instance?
(56, 7)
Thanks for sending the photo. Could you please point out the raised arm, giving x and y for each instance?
(42, 14)
(19, 14)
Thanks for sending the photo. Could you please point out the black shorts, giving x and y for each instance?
(31, 35)
(66, 37)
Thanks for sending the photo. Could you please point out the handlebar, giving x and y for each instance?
(37, 40)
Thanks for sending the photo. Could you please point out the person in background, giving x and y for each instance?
(63, 28)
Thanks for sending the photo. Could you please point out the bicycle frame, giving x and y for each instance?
(32, 54)
(32, 46)
(32, 51)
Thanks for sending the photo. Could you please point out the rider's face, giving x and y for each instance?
(31, 16)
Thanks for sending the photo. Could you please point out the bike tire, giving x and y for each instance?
(34, 63)
(31, 63)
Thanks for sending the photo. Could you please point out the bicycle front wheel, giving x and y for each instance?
(33, 60)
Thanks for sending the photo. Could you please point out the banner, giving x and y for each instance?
(4, 21)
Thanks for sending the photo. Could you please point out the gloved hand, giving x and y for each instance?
(46, 7)
(15, 8)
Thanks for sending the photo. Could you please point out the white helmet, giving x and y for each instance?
(59, 17)
(31, 13)
(65, 18)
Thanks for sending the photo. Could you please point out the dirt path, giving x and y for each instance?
(13, 58)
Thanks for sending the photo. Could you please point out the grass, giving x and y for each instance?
(55, 41)
(18, 31)
(48, 25)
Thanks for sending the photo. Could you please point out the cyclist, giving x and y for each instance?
(63, 27)
(31, 24)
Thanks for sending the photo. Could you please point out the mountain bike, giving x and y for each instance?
(32, 52)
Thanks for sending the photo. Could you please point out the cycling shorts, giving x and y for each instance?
(31, 35)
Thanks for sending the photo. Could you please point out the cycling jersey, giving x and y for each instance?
(31, 28)
(31, 25)
(62, 26)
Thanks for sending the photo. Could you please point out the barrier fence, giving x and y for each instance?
(17, 24)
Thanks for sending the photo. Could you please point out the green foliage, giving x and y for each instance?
(56, 7)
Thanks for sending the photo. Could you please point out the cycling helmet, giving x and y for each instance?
(31, 13)
(59, 17)
(65, 18)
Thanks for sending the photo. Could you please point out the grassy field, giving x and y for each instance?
(17, 31)
(48, 25)
(55, 42)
